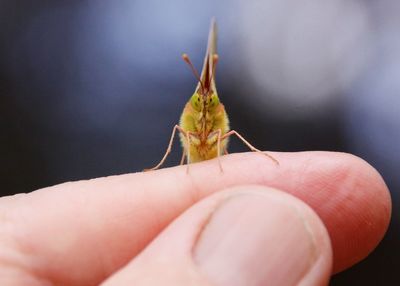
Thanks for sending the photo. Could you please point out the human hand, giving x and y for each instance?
(240, 227)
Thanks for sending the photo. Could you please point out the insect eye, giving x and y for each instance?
(214, 100)
(195, 100)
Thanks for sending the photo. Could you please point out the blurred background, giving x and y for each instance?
(93, 88)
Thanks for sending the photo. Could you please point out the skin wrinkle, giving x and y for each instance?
(105, 260)
(217, 205)
(152, 225)
(19, 252)
(11, 256)
(312, 237)
(44, 266)
(24, 277)
(187, 262)
(146, 204)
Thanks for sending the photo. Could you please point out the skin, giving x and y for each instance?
(144, 228)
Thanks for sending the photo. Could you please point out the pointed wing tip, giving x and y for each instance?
(212, 37)
(213, 23)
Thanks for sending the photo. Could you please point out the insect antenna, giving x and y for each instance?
(186, 58)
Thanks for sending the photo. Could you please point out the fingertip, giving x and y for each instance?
(365, 194)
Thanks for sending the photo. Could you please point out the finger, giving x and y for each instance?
(248, 235)
(79, 233)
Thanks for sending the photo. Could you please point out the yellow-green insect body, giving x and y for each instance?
(202, 117)
(204, 124)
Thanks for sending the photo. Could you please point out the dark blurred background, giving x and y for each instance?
(93, 88)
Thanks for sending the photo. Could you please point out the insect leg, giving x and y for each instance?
(171, 140)
(219, 150)
(183, 156)
(215, 138)
(226, 151)
(187, 148)
(252, 148)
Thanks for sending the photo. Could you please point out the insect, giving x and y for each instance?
(204, 124)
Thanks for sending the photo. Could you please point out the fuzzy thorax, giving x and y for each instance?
(201, 118)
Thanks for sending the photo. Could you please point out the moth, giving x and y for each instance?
(204, 124)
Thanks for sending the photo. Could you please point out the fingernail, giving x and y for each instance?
(253, 239)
